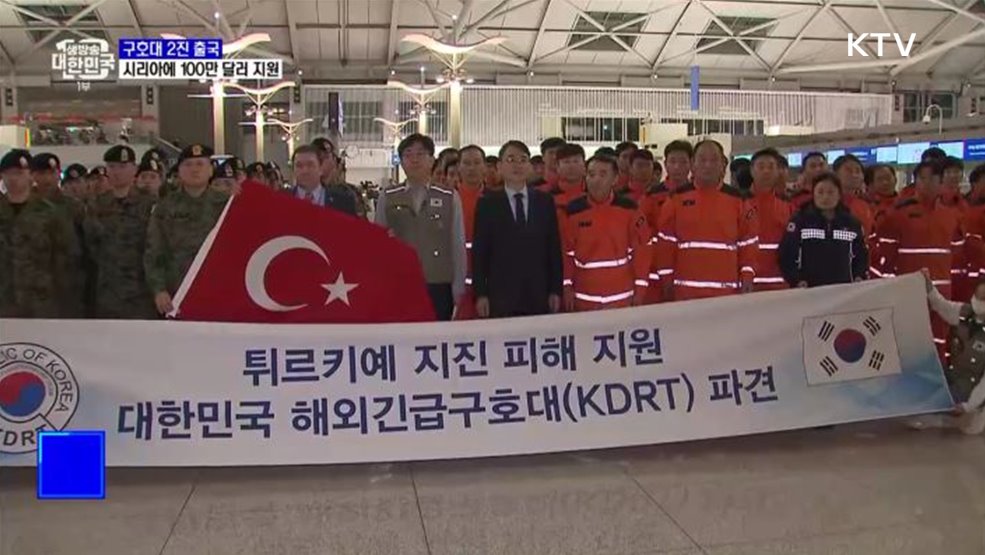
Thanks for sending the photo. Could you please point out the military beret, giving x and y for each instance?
(75, 171)
(229, 167)
(256, 168)
(15, 158)
(44, 162)
(153, 154)
(150, 165)
(195, 151)
(120, 153)
(98, 171)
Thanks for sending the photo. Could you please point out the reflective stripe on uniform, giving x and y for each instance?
(941, 282)
(768, 246)
(567, 283)
(925, 251)
(615, 263)
(606, 299)
(468, 245)
(642, 283)
(655, 277)
(666, 272)
(706, 245)
(749, 269)
(706, 284)
(468, 281)
(666, 237)
(749, 241)
(768, 280)
(884, 240)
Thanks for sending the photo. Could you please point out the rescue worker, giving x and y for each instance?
(932, 154)
(491, 180)
(880, 180)
(548, 149)
(150, 178)
(824, 243)
(975, 222)
(966, 365)
(605, 236)
(851, 174)
(430, 219)
(38, 248)
(951, 183)
(116, 237)
(922, 233)
(470, 189)
(814, 165)
(640, 175)
(658, 172)
(707, 243)
(537, 170)
(180, 224)
(624, 155)
(333, 176)
(445, 157)
(571, 177)
(783, 179)
(677, 158)
(772, 213)
(74, 182)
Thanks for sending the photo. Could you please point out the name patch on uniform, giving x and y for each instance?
(437, 203)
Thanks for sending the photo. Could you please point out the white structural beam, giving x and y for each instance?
(609, 33)
(958, 10)
(210, 26)
(463, 14)
(344, 31)
(67, 26)
(673, 34)
(920, 57)
(248, 18)
(849, 29)
(135, 17)
(434, 16)
(541, 25)
(391, 52)
(721, 40)
(221, 21)
(494, 12)
(759, 59)
(885, 17)
(883, 62)
(292, 31)
(596, 35)
(800, 34)
(928, 40)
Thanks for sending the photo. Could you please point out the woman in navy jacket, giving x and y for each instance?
(824, 243)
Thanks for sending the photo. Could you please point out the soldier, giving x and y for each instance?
(179, 225)
(37, 248)
(98, 181)
(116, 233)
(150, 177)
(74, 182)
(230, 173)
(45, 171)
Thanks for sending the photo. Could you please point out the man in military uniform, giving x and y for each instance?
(98, 181)
(179, 225)
(331, 175)
(46, 171)
(430, 219)
(150, 178)
(228, 174)
(37, 248)
(116, 235)
(74, 182)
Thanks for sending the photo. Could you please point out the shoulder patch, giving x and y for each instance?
(580, 204)
(624, 202)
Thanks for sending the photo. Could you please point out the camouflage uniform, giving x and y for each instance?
(178, 227)
(38, 248)
(116, 235)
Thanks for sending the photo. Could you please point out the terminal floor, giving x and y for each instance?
(869, 489)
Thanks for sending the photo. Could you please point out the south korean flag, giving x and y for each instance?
(850, 346)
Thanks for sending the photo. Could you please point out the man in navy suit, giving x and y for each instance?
(517, 268)
(308, 186)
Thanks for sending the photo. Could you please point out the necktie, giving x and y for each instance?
(309, 196)
(521, 215)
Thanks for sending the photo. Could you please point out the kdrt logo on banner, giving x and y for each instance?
(38, 392)
(850, 346)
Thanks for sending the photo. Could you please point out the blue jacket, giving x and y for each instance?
(822, 252)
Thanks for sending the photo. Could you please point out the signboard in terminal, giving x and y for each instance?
(795, 159)
(974, 149)
(833, 155)
(953, 148)
(886, 154)
(909, 153)
(866, 155)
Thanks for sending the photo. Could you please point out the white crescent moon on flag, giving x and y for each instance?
(256, 269)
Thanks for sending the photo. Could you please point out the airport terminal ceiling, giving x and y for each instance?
(782, 44)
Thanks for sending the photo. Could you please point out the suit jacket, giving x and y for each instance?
(336, 196)
(517, 267)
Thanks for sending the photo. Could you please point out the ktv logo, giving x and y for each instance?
(855, 44)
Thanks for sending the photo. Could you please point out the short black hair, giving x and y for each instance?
(870, 172)
(476, 148)
(952, 162)
(492, 159)
(451, 164)
(570, 150)
(538, 159)
(769, 152)
(718, 145)
(784, 163)
(624, 146)
(814, 154)
(642, 154)
(415, 139)
(933, 153)
(309, 149)
(323, 144)
(658, 167)
(827, 176)
(679, 145)
(447, 153)
(739, 164)
(612, 163)
(935, 167)
(846, 159)
(551, 143)
(519, 145)
(605, 151)
(977, 174)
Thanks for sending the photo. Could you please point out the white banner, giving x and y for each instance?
(178, 393)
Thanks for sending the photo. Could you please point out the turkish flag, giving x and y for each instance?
(275, 258)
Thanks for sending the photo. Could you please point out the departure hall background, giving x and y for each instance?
(773, 209)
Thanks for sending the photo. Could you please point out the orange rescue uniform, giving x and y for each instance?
(707, 242)
(772, 216)
(465, 310)
(799, 198)
(651, 204)
(606, 256)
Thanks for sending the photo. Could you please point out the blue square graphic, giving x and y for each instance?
(72, 465)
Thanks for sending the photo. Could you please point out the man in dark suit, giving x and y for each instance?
(307, 162)
(517, 268)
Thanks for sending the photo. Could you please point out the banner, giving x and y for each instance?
(189, 393)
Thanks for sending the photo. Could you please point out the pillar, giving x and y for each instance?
(455, 114)
(218, 117)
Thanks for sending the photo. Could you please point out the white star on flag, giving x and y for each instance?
(339, 290)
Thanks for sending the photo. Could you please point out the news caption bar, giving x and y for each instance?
(200, 69)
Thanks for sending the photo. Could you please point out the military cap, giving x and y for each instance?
(45, 161)
(195, 151)
(15, 158)
(75, 171)
(256, 168)
(229, 167)
(150, 165)
(120, 153)
(98, 171)
(152, 154)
